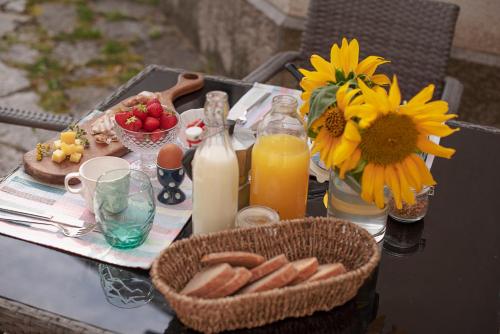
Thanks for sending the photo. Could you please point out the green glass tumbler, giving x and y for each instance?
(124, 206)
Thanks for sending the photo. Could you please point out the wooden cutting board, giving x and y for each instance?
(51, 172)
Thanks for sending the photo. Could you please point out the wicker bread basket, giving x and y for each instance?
(328, 239)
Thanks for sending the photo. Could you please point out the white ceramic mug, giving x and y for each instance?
(88, 174)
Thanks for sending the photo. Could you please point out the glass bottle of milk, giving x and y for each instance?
(215, 171)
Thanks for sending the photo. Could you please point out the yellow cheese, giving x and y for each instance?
(75, 157)
(57, 144)
(58, 156)
(68, 137)
(68, 149)
(79, 148)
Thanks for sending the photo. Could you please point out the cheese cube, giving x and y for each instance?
(75, 157)
(79, 148)
(68, 149)
(68, 137)
(57, 144)
(58, 156)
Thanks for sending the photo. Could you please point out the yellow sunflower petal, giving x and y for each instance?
(351, 132)
(413, 173)
(394, 94)
(435, 107)
(361, 111)
(369, 95)
(393, 183)
(353, 55)
(340, 95)
(425, 174)
(433, 118)
(378, 186)
(325, 200)
(321, 65)
(367, 181)
(406, 194)
(437, 129)
(350, 163)
(335, 56)
(344, 56)
(344, 150)
(423, 96)
(369, 65)
(425, 145)
(380, 79)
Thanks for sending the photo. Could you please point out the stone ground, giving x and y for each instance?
(64, 56)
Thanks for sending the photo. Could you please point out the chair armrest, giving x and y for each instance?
(452, 93)
(34, 119)
(272, 66)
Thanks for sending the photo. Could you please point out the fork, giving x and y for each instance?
(69, 231)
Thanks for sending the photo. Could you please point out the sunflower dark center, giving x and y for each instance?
(335, 122)
(390, 139)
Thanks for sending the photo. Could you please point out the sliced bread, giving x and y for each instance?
(209, 279)
(277, 279)
(239, 280)
(268, 267)
(326, 271)
(237, 259)
(306, 268)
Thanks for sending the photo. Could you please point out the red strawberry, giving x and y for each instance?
(152, 101)
(133, 124)
(140, 112)
(155, 110)
(157, 135)
(167, 121)
(151, 124)
(121, 118)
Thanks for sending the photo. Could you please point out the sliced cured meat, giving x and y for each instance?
(277, 279)
(306, 268)
(326, 271)
(239, 280)
(268, 267)
(237, 259)
(209, 279)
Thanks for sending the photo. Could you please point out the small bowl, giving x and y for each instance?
(148, 142)
(170, 179)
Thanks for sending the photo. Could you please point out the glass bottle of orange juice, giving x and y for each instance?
(280, 161)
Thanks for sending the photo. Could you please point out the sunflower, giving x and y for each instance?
(343, 66)
(391, 142)
(336, 129)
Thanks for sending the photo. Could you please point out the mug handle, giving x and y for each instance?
(67, 178)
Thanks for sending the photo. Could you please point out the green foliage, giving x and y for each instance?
(113, 48)
(155, 33)
(85, 14)
(115, 16)
(128, 73)
(321, 99)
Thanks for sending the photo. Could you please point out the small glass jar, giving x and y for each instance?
(412, 213)
(256, 215)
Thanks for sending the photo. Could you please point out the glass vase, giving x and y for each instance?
(344, 202)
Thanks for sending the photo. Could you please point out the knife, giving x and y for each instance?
(59, 218)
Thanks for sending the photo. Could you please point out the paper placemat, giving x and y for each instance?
(22, 191)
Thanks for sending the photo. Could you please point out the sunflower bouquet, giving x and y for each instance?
(360, 127)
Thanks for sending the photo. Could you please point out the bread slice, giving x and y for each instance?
(208, 279)
(306, 268)
(277, 279)
(326, 271)
(237, 259)
(268, 267)
(239, 280)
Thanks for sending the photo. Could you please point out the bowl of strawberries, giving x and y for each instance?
(144, 128)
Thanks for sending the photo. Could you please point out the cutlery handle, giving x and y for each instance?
(25, 213)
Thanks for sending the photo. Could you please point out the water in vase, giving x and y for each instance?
(345, 203)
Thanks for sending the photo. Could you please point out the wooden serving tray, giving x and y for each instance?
(51, 172)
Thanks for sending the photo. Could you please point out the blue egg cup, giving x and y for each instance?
(170, 179)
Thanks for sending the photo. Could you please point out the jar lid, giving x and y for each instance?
(256, 215)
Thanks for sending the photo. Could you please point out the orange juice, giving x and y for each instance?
(280, 174)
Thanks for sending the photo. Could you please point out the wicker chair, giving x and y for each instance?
(415, 35)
